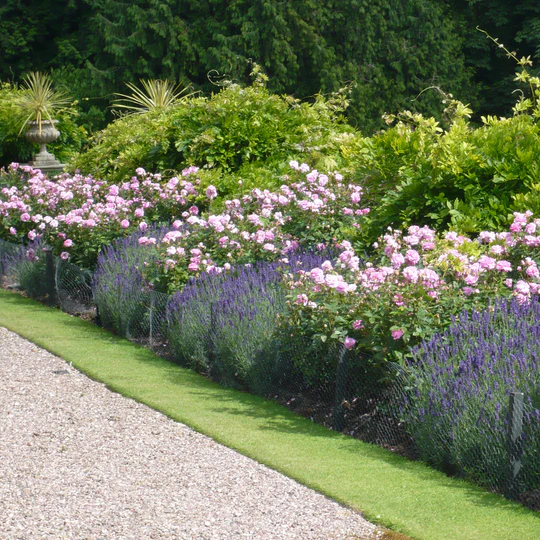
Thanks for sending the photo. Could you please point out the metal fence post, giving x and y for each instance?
(151, 319)
(341, 390)
(515, 444)
(212, 336)
(50, 278)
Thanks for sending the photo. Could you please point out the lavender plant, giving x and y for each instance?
(224, 324)
(461, 380)
(119, 288)
(25, 267)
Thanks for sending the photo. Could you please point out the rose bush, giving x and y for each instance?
(311, 211)
(420, 281)
(77, 215)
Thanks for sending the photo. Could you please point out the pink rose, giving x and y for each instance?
(397, 260)
(412, 256)
(505, 266)
(396, 334)
(317, 275)
(358, 324)
(349, 343)
(211, 192)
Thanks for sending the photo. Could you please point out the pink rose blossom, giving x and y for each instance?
(410, 273)
(488, 263)
(326, 266)
(211, 192)
(355, 197)
(349, 343)
(358, 324)
(504, 266)
(522, 287)
(396, 334)
(397, 260)
(412, 256)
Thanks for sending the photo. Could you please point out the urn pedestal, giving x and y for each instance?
(44, 160)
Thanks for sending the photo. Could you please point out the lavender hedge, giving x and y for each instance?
(120, 290)
(224, 324)
(25, 266)
(457, 409)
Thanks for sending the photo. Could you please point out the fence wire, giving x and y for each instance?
(498, 448)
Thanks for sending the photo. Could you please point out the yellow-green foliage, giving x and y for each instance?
(463, 177)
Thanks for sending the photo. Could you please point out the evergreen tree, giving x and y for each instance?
(388, 50)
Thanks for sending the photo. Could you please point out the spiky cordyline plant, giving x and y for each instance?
(156, 94)
(38, 100)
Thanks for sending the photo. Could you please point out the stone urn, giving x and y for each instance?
(47, 134)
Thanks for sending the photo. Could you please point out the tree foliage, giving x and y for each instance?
(387, 50)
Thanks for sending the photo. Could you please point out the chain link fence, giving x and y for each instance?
(231, 336)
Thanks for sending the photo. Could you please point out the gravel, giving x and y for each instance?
(79, 461)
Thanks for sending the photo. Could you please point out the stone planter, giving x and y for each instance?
(43, 159)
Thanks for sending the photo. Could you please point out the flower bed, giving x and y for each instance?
(248, 307)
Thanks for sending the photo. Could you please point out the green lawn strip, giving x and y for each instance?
(402, 495)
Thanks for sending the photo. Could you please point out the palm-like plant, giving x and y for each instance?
(156, 94)
(38, 100)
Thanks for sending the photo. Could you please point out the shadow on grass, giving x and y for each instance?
(271, 416)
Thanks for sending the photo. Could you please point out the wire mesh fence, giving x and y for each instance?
(237, 342)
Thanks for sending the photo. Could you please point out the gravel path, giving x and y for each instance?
(79, 461)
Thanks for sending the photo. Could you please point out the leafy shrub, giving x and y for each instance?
(413, 286)
(77, 215)
(453, 174)
(460, 383)
(313, 211)
(244, 134)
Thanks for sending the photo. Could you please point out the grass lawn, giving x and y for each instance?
(405, 496)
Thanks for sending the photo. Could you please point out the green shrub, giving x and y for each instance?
(244, 136)
(463, 177)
